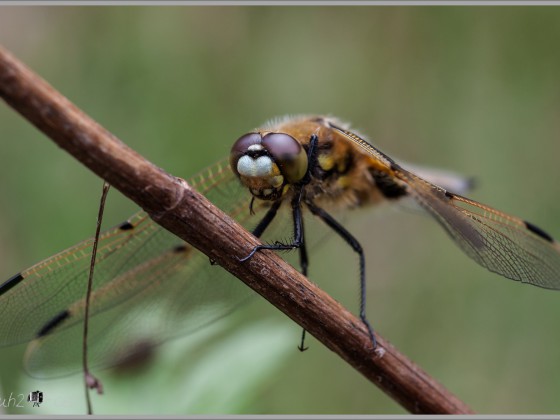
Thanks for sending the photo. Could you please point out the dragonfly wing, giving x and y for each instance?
(148, 285)
(448, 180)
(176, 293)
(501, 243)
(37, 295)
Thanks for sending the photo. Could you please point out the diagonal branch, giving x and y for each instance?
(175, 205)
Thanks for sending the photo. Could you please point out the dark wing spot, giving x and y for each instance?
(387, 185)
(538, 231)
(126, 226)
(54, 322)
(135, 357)
(11, 282)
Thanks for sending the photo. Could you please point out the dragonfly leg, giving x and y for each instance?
(267, 219)
(298, 241)
(355, 245)
(298, 228)
(304, 263)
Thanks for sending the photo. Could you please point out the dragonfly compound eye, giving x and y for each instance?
(289, 155)
(264, 164)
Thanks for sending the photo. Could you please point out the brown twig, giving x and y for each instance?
(172, 203)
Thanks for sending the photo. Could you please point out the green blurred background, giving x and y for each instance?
(473, 89)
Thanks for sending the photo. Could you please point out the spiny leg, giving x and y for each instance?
(267, 219)
(304, 263)
(298, 241)
(298, 228)
(355, 245)
(263, 224)
(303, 258)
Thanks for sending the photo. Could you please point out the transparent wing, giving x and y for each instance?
(503, 244)
(148, 286)
(448, 180)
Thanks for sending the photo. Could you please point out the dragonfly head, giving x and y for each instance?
(268, 162)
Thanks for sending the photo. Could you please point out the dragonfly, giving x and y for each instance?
(150, 286)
